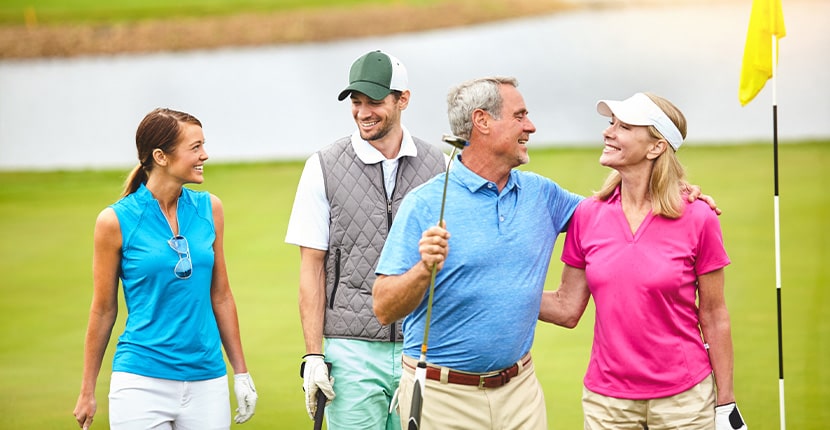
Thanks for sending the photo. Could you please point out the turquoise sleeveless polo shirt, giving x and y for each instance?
(171, 332)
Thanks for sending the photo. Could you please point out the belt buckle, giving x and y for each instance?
(504, 379)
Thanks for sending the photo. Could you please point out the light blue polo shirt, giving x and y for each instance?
(488, 294)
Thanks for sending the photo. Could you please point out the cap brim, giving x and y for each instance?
(627, 111)
(603, 108)
(372, 90)
(641, 110)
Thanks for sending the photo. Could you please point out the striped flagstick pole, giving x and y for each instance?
(766, 26)
(782, 410)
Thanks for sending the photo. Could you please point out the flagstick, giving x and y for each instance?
(782, 410)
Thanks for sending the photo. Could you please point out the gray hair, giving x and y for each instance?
(481, 93)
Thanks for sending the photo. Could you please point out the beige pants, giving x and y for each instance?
(693, 409)
(517, 405)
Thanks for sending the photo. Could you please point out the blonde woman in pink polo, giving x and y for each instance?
(654, 263)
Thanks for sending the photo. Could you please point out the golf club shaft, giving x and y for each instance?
(435, 266)
(321, 406)
(421, 369)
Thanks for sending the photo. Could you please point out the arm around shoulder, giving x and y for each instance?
(565, 306)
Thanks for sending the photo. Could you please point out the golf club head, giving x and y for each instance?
(417, 405)
(414, 422)
(455, 141)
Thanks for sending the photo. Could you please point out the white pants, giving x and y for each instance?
(142, 403)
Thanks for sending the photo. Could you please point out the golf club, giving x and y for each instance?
(320, 398)
(414, 422)
(321, 405)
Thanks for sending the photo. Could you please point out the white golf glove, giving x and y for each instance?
(728, 417)
(316, 377)
(246, 397)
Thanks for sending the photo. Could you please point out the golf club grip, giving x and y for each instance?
(321, 406)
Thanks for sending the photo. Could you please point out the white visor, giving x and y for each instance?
(639, 109)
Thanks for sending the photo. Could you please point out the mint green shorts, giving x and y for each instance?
(366, 375)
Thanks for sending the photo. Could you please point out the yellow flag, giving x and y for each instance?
(765, 21)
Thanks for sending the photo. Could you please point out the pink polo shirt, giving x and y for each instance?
(647, 341)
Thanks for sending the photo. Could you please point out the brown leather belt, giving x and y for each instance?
(482, 380)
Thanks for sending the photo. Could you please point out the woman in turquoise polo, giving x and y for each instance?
(164, 242)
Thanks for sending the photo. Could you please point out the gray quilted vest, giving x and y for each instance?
(360, 219)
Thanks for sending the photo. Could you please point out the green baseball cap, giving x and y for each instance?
(376, 74)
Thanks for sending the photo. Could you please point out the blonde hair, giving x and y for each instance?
(667, 174)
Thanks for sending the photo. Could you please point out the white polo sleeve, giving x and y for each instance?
(309, 222)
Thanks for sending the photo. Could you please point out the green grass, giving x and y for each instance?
(108, 11)
(47, 218)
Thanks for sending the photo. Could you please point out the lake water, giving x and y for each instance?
(280, 102)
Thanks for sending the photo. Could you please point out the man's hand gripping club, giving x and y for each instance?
(316, 377)
(434, 247)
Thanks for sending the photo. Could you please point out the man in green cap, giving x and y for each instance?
(347, 197)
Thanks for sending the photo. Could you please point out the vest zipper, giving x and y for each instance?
(388, 199)
(388, 215)
(392, 327)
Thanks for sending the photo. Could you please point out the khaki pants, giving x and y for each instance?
(517, 405)
(693, 409)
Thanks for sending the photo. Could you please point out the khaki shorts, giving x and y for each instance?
(519, 404)
(693, 409)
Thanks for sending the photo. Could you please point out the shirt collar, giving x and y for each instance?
(474, 182)
(144, 195)
(368, 154)
(615, 196)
